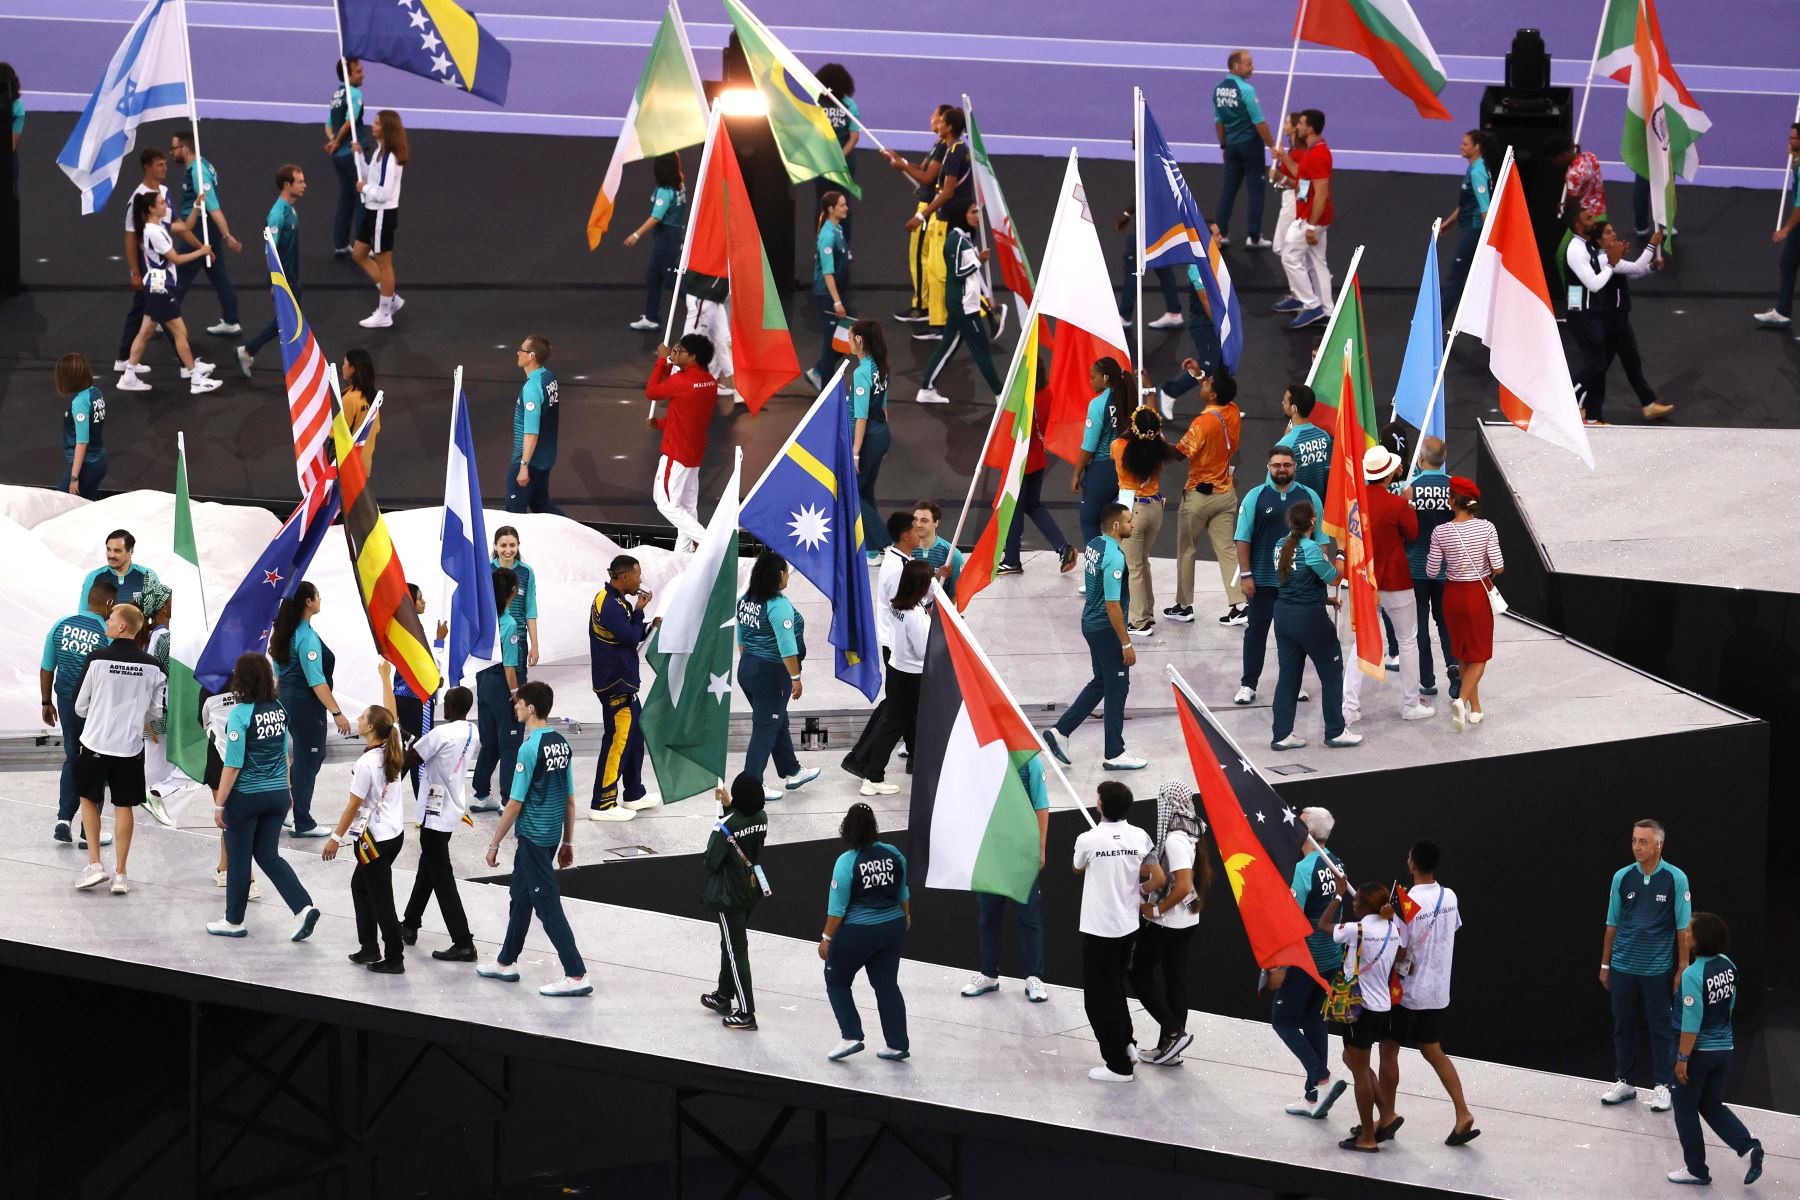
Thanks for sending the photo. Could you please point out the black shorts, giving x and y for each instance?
(378, 227)
(1366, 1030)
(162, 307)
(1415, 1027)
(98, 774)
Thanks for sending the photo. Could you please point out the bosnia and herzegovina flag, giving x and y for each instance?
(433, 38)
(803, 134)
(973, 828)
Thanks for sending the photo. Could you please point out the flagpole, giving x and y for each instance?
(1293, 61)
(794, 436)
(1137, 142)
(337, 27)
(1337, 309)
(1787, 177)
(444, 513)
(687, 242)
(1588, 86)
(187, 59)
(1012, 373)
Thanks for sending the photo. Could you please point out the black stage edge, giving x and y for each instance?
(1537, 837)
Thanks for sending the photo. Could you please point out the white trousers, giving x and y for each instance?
(1283, 219)
(1308, 276)
(709, 317)
(676, 494)
(1403, 610)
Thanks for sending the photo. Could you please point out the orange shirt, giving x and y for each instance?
(1145, 488)
(356, 407)
(1209, 444)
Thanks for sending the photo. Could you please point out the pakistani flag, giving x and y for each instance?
(1326, 378)
(187, 632)
(690, 701)
(972, 827)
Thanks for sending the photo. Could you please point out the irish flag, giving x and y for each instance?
(972, 826)
(1387, 34)
(1013, 423)
(187, 632)
(1618, 57)
(668, 112)
(1346, 331)
(1015, 267)
(1075, 290)
(1658, 135)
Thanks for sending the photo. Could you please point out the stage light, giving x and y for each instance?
(743, 102)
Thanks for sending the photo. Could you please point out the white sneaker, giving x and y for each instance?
(643, 325)
(201, 367)
(1682, 1176)
(121, 887)
(245, 363)
(813, 379)
(801, 778)
(129, 382)
(1303, 696)
(980, 985)
(845, 1049)
(1245, 695)
(202, 384)
(381, 320)
(219, 879)
(615, 813)
(1769, 317)
(1390, 662)
(1165, 403)
(305, 921)
(567, 987)
(123, 365)
(1417, 712)
(770, 795)
(91, 875)
(154, 806)
(1169, 320)
(930, 396)
(496, 970)
(1257, 243)
(1290, 742)
(1299, 1108)
(1459, 713)
(1344, 740)
(1059, 745)
(646, 801)
(1476, 716)
(1104, 1074)
(255, 892)
(1660, 1100)
(1124, 762)
(226, 929)
(871, 788)
(1035, 991)
(396, 303)
(225, 329)
(1352, 715)
(1618, 1093)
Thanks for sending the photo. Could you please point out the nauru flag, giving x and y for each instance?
(973, 828)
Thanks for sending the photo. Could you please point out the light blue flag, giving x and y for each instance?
(473, 619)
(805, 508)
(147, 80)
(1424, 354)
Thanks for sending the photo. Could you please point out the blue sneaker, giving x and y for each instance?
(1307, 316)
(1287, 304)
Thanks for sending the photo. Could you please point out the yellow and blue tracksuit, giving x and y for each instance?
(616, 628)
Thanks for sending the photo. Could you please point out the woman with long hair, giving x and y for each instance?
(842, 111)
(772, 645)
(358, 373)
(831, 280)
(1096, 477)
(1465, 553)
(1303, 631)
(898, 715)
(251, 799)
(1599, 317)
(867, 915)
(666, 225)
(1138, 456)
(374, 820)
(307, 667)
(162, 302)
(380, 188)
(871, 437)
(524, 607)
(1171, 914)
(495, 687)
(84, 427)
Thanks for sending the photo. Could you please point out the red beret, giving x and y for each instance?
(1463, 486)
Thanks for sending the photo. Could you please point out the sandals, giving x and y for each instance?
(1349, 1143)
(1386, 1132)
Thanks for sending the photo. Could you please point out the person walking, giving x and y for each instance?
(1600, 316)
(709, 316)
(616, 631)
(870, 436)
(540, 805)
(162, 779)
(1171, 914)
(198, 180)
(84, 427)
(896, 718)
(1429, 493)
(155, 166)
(347, 140)
(121, 688)
(734, 884)
(496, 687)
(1709, 989)
(1392, 524)
(1644, 951)
(1262, 523)
(830, 284)
(921, 242)
(1370, 947)
(1139, 456)
(1472, 198)
(441, 757)
(966, 304)
(1303, 253)
(1114, 859)
(1465, 554)
(1106, 594)
(867, 914)
(1031, 501)
(67, 648)
(1125, 225)
(376, 235)
(251, 798)
(839, 104)
(953, 192)
(536, 414)
(1427, 945)
(1311, 443)
(1782, 315)
(1303, 632)
(509, 553)
(666, 225)
(304, 683)
(374, 821)
(1209, 499)
(284, 222)
(991, 909)
(1295, 1010)
(357, 372)
(681, 377)
(1243, 134)
(1096, 476)
(772, 645)
(161, 303)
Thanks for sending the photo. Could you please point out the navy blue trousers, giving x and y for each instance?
(875, 949)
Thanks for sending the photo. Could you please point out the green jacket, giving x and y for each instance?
(729, 885)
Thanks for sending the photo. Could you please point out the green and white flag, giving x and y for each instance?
(688, 712)
(188, 628)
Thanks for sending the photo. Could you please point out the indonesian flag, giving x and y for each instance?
(1014, 422)
(1507, 305)
(1075, 290)
(1346, 519)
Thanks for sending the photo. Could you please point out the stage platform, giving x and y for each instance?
(995, 1068)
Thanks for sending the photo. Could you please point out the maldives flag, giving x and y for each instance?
(973, 828)
(1507, 305)
(1346, 520)
(723, 240)
(1387, 34)
(1016, 416)
(1258, 836)
(1075, 290)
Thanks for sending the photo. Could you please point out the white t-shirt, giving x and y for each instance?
(1111, 854)
(215, 714)
(168, 215)
(381, 812)
(1178, 855)
(1430, 941)
(157, 246)
(912, 630)
(1380, 944)
(887, 584)
(444, 752)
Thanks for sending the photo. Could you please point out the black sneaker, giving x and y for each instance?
(1455, 674)
(716, 1002)
(1066, 557)
(1009, 569)
(741, 1021)
(388, 966)
(409, 933)
(1142, 629)
(912, 315)
(1180, 612)
(1237, 614)
(363, 958)
(460, 952)
(61, 832)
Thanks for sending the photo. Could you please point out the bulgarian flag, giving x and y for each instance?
(1013, 422)
(973, 828)
(1015, 267)
(1618, 57)
(668, 112)
(1346, 332)
(1387, 34)
(1659, 130)
(1346, 520)
(803, 134)
(188, 628)
(723, 241)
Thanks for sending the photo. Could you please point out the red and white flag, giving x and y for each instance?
(1507, 305)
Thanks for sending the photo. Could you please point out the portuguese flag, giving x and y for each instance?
(1387, 34)
(972, 825)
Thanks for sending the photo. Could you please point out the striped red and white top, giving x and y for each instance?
(1464, 550)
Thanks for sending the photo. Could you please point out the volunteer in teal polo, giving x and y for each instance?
(1238, 121)
(1471, 213)
(1646, 946)
(1708, 995)
(536, 414)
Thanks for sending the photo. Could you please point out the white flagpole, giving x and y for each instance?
(1337, 310)
(1787, 178)
(1588, 86)
(1137, 142)
(199, 167)
(687, 243)
(444, 513)
(337, 27)
(1293, 62)
(1012, 373)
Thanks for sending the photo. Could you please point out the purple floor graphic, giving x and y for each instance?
(1041, 75)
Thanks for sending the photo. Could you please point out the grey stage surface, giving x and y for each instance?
(1709, 507)
(998, 1063)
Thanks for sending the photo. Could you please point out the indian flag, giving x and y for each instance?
(803, 134)
(188, 629)
(1618, 55)
(1007, 448)
(1387, 34)
(1346, 330)
(667, 113)
(972, 827)
(1660, 130)
(1015, 267)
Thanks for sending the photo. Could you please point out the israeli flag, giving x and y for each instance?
(147, 80)
(474, 621)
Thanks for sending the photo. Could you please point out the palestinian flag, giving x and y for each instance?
(1618, 58)
(1346, 519)
(972, 825)
(1014, 424)
(1387, 34)
(1015, 267)
(1346, 329)
(803, 134)
(668, 112)
(188, 628)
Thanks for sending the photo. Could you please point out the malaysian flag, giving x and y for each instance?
(308, 388)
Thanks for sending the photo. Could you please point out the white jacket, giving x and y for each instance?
(381, 181)
(121, 689)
